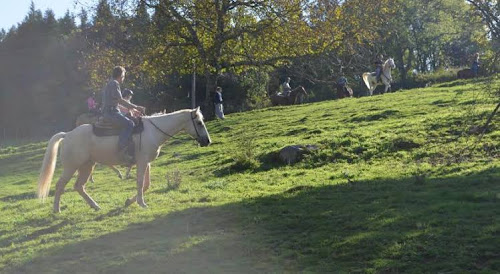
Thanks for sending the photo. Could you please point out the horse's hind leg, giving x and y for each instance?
(83, 176)
(61, 183)
(128, 173)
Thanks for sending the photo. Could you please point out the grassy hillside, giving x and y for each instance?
(399, 183)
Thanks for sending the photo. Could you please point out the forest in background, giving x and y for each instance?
(50, 65)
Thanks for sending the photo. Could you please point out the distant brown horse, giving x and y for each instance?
(465, 74)
(343, 91)
(296, 97)
(91, 118)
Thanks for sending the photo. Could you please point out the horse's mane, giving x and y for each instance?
(387, 61)
(162, 114)
(155, 114)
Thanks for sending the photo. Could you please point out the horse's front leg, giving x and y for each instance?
(387, 88)
(147, 183)
(370, 91)
(142, 170)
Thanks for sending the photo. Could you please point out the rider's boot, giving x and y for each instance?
(126, 154)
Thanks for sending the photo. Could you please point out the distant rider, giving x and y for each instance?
(378, 67)
(286, 87)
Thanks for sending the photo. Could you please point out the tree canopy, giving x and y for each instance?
(50, 65)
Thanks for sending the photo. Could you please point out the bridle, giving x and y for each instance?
(171, 136)
(195, 129)
(383, 74)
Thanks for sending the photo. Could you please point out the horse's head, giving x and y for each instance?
(303, 90)
(300, 95)
(197, 128)
(390, 63)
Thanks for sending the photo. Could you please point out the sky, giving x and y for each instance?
(14, 11)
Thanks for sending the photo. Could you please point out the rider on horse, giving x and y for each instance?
(286, 87)
(111, 98)
(342, 81)
(378, 67)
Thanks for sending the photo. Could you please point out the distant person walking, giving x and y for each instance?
(219, 108)
(475, 65)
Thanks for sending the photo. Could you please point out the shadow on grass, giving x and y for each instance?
(447, 224)
(376, 116)
(18, 197)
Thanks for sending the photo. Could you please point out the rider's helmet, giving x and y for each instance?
(127, 92)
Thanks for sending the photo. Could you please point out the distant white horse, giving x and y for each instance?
(371, 80)
(82, 149)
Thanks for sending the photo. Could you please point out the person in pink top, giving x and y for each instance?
(91, 104)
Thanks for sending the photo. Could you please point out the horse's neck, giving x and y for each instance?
(294, 92)
(170, 124)
(387, 67)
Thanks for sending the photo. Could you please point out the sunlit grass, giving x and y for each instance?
(399, 183)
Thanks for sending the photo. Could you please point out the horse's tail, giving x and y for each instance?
(365, 79)
(48, 165)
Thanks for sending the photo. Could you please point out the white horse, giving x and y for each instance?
(371, 80)
(82, 149)
(91, 118)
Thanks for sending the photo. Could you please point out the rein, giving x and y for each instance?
(383, 74)
(171, 136)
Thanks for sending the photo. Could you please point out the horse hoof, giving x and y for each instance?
(128, 202)
(142, 204)
(97, 208)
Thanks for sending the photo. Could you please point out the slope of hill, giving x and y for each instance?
(399, 183)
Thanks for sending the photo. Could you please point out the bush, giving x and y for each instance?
(174, 179)
(438, 76)
(244, 155)
(254, 83)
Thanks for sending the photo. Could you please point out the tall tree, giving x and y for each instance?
(490, 12)
(224, 35)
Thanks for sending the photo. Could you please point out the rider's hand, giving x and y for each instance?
(135, 113)
(141, 109)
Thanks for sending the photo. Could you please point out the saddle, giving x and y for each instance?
(280, 94)
(105, 127)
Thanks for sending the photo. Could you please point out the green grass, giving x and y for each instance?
(399, 183)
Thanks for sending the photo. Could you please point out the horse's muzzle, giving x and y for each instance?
(204, 141)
